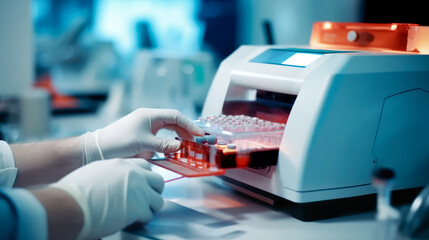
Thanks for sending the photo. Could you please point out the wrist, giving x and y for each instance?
(65, 216)
(7, 166)
(90, 147)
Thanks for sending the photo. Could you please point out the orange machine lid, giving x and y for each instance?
(405, 37)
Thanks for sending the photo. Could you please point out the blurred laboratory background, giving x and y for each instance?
(104, 58)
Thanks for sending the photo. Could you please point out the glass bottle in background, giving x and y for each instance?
(387, 217)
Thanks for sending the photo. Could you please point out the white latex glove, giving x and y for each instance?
(135, 133)
(113, 194)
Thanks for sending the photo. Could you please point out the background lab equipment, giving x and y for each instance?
(346, 109)
(18, 100)
(185, 80)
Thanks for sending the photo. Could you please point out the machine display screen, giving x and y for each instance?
(301, 59)
(289, 57)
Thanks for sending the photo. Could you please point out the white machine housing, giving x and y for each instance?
(354, 111)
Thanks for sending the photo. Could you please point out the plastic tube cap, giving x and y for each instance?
(211, 139)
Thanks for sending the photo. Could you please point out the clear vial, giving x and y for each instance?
(387, 217)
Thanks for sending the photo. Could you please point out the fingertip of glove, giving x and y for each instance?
(172, 146)
(194, 129)
(156, 207)
(198, 131)
(156, 181)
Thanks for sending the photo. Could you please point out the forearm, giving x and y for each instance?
(65, 218)
(46, 162)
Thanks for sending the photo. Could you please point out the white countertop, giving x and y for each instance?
(204, 208)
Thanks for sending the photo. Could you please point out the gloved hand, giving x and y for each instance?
(113, 194)
(135, 133)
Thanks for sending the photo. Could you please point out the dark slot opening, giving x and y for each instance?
(268, 105)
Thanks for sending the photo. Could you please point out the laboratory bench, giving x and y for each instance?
(205, 208)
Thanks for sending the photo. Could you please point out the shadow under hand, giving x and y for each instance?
(181, 222)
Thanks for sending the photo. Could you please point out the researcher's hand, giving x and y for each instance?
(136, 132)
(113, 194)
